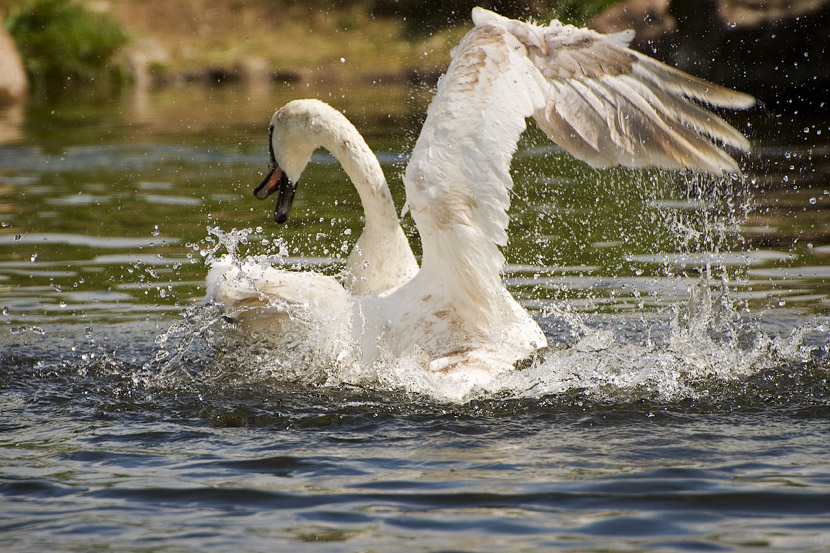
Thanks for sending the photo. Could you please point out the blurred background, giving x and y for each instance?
(773, 48)
(128, 127)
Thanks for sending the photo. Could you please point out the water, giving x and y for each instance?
(682, 404)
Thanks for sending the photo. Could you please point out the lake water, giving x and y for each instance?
(683, 404)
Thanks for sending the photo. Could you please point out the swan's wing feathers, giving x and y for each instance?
(580, 54)
(601, 101)
(626, 125)
(458, 178)
(690, 86)
(609, 105)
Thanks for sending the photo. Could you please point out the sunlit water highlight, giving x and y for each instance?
(682, 404)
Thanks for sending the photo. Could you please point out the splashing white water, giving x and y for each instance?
(704, 342)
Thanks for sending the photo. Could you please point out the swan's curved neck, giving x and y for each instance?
(344, 142)
(381, 259)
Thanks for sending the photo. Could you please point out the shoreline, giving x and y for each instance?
(246, 41)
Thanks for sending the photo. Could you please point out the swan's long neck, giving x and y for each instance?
(364, 170)
(381, 259)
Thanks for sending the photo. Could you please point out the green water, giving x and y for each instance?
(640, 430)
(106, 204)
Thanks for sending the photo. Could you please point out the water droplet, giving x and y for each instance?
(5, 311)
(812, 200)
(34, 258)
(156, 231)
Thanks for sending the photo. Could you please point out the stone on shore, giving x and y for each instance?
(14, 84)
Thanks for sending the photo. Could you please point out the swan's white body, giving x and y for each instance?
(599, 100)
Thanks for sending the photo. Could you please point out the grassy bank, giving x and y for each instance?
(289, 39)
(214, 40)
(62, 43)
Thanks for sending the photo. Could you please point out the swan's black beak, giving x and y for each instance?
(277, 181)
(273, 181)
(284, 199)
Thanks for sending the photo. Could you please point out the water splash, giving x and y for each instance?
(173, 360)
(690, 351)
(703, 350)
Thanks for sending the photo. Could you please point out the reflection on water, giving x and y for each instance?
(11, 121)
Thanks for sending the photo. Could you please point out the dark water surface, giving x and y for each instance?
(684, 403)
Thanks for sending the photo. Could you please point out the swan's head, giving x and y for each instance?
(293, 138)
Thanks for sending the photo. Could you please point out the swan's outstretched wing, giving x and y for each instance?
(609, 105)
(602, 102)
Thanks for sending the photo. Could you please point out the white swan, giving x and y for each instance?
(602, 102)
(381, 259)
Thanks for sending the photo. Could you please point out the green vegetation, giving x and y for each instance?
(68, 44)
(64, 45)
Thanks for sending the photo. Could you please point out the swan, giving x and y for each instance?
(602, 102)
(381, 258)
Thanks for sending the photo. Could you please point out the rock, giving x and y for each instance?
(775, 49)
(255, 69)
(251, 69)
(146, 59)
(14, 84)
(649, 18)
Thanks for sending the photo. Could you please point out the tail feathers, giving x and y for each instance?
(254, 284)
